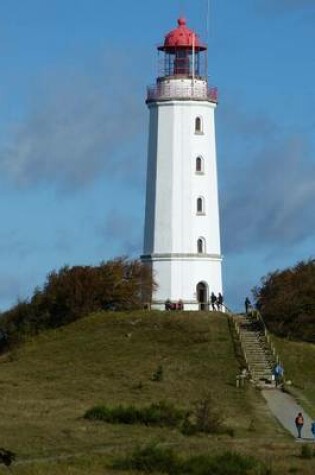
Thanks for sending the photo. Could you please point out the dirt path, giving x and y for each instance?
(285, 408)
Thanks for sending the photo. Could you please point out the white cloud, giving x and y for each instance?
(78, 126)
(268, 196)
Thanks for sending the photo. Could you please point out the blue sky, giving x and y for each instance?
(73, 132)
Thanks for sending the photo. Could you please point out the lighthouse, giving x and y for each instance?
(182, 229)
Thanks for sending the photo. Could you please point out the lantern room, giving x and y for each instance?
(183, 54)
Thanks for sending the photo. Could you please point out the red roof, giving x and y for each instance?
(182, 37)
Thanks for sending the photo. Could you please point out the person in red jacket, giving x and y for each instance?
(299, 422)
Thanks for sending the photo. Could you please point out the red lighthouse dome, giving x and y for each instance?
(182, 38)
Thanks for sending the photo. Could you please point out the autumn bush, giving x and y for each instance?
(73, 292)
(286, 300)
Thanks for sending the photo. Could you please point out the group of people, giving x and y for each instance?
(174, 305)
(216, 301)
(299, 422)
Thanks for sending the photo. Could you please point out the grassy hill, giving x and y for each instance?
(48, 384)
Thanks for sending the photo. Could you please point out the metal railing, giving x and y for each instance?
(256, 314)
(156, 92)
(242, 346)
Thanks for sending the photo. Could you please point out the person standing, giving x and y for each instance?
(213, 300)
(313, 429)
(299, 422)
(248, 305)
(168, 305)
(220, 301)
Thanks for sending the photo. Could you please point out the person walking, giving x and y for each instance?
(220, 301)
(299, 422)
(278, 374)
(213, 300)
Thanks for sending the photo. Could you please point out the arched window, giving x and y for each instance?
(198, 125)
(199, 165)
(201, 247)
(200, 205)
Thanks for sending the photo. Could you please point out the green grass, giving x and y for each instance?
(152, 459)
(47, 385)
(298, 359)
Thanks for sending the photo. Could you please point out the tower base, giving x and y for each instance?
(185, 282)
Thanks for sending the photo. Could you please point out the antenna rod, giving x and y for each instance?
(208, 15)
(193, 62)
(207, 36)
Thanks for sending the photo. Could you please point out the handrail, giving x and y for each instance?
(254, 314)
(238, 332)
(227, 308)
(259, 317)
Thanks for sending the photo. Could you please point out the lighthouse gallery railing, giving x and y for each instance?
(155, 93)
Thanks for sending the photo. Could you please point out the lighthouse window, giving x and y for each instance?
(200, 206)
(199, 165)
(198, 125)
(201, 246)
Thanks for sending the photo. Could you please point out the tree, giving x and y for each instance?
(73, 292)
(286, 300)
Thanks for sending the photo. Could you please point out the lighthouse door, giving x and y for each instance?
(202, 296)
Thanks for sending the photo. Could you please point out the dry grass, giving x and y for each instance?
(109, 358)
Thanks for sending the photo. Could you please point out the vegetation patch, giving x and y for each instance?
(161, 414)
(307, 452)
(204, 418)
(157, 459)
(298, 359)
(57, 375)
(158, 375)
(286, 301)
(74, 292)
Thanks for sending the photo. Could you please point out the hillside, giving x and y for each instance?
(110, 358)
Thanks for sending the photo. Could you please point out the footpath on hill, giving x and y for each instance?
(285, 409)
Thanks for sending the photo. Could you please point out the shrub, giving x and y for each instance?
(114, 415)
(307, 452)
(232, 463)
(157, 376)
(286, 301)
(164, 460)
(150, 459)
(163, 414)
(228, 463)
(74, 292)
(207, 419)
(204, 419)
(157, 414)
(188, 427)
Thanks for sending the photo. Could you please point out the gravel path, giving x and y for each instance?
(285, 408)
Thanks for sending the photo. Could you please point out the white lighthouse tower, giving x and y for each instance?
(182, 232)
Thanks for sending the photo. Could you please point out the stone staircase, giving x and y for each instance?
(257, 349)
